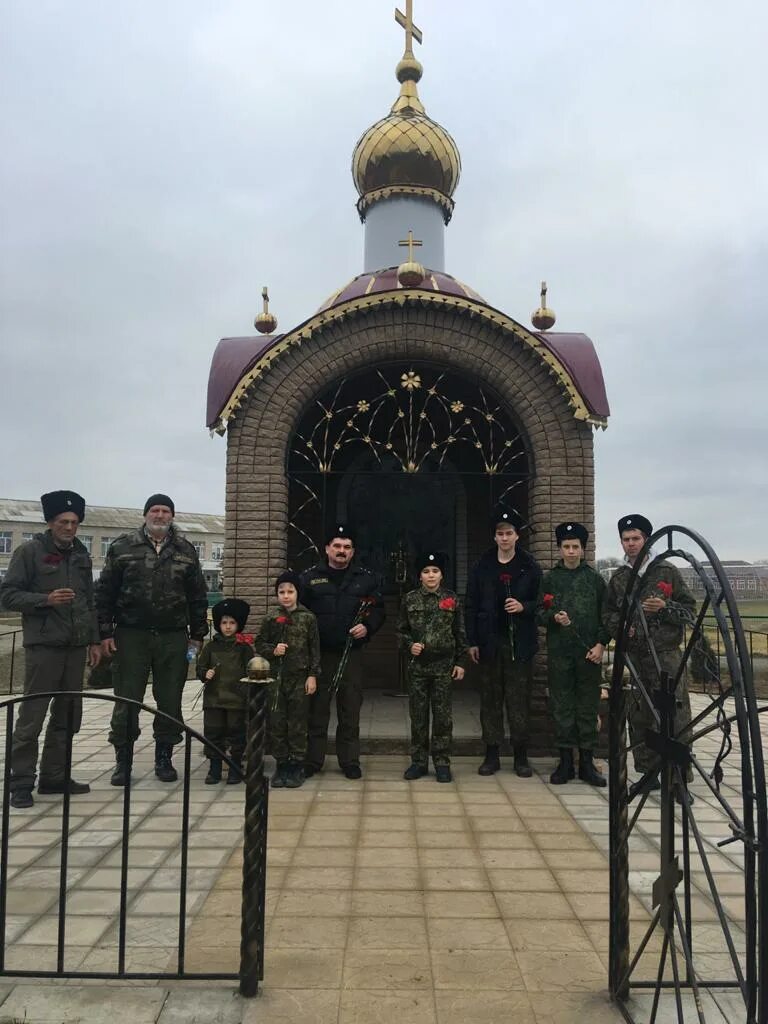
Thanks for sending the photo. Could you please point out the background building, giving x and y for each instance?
(21, 520)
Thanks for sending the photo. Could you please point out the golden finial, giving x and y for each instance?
(265, 322)
(543, 318)
(409, 70)
(410, 274)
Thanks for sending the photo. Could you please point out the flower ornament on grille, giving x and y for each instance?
(410, 381)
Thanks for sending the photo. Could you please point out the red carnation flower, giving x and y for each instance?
(548, 600)
(53, 559)
(448, 604)
(283, 620)
(665, 588)
(244, 638)
(505, 577)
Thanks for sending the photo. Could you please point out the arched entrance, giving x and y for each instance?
(410, 455)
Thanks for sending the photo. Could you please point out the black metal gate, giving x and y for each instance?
(708, 932)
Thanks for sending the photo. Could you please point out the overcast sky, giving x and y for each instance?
(162, 159)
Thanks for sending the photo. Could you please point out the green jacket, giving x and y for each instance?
(230, 660)
(140, 589)
(580, 592)
(666, 626)
(39, 567)
(441, 630)
(300, 634)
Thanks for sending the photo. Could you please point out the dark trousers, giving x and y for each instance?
(641, 717)
(139, 652)
(226, 728)
(48, 669)
(349, 700)
(430, 688)
(574, 699)
(288, 718)
(505, 683)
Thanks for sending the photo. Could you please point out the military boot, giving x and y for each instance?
(235, 774)
(164, 769)
(295, 775)
(587, 771)
(121, 773)
(564, 771)
(214, 772)
(491, 764)
(522, 768)
(278, 779)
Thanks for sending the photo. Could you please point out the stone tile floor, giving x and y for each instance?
(482, 901)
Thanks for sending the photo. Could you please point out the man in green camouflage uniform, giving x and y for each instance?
(50, 581)
(290, 641)
(666, 617)
(152, 605)
(570, 606)
(431, 634)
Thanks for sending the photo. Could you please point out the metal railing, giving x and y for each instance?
(254, 849)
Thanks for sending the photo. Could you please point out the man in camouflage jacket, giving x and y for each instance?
(50, 581)
(431, 634)
(668, 606)
(570, 607)
(152, 604)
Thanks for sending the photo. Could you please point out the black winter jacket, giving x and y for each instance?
(335, 605)
(482, 605)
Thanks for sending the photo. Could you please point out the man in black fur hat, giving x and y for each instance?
(50, 581)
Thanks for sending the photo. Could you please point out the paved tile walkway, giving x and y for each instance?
(387, 902)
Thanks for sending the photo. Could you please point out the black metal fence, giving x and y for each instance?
(255, 843)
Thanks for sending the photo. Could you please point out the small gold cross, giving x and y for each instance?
(410, 241)
(265, 296)
(406, 21)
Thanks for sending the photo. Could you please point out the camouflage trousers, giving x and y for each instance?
(641, 716)
(287, 722)
(163, 653)
(574, 699)
(429, 688)
(505, 683)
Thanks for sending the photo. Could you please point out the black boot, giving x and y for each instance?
(522, 768)
(234, 775)
(121, 772)
(164, 769)
(564, 771)
(214, 772)
(491, 764)
(587, 771)
(278, 779)
(295, 775)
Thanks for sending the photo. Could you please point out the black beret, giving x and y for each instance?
(159, 499)
(288, 577)
(635, 522)
(234, 607)
(571, 531)
(505, 516)
(56, 502)
(339, 531)
(430, 558)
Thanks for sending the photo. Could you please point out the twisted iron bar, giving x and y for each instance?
(254, 843)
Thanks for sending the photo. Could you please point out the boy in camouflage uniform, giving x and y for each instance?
(667, 605)
(431, 632)
(290, 641)
(222, 664)
(570, 607)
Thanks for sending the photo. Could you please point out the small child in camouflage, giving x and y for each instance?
(431, 633)
(221, 665)
(289, 640)
(570, 607)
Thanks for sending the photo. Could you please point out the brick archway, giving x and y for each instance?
(560, 447)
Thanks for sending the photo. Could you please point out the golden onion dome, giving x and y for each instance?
(406, 152)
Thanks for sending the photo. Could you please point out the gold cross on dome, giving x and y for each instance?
(406, 21)
(265, 297)
(410, 241)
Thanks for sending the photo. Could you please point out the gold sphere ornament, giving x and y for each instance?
(411, 274)
(258, 670)
(265, 322)
(543, 318)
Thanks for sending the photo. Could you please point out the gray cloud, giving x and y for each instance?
(160, 162)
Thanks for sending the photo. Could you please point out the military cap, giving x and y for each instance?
(288, 577)
(430, 558)
(234, 607)
(505, 516)
(635, 522)
(57, 502)
(339, 531)
(159, 499)
(571, 531)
